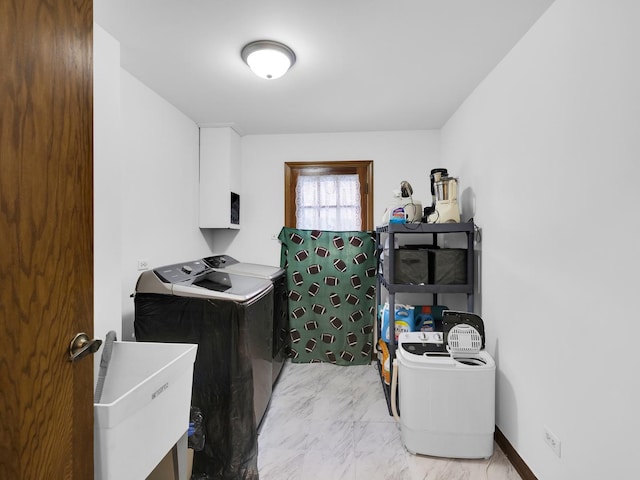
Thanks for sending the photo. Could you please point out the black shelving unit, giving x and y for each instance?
(433, 229)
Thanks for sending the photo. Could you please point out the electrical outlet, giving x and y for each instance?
(552, 441)
(143, 264)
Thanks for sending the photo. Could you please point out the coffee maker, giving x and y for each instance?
(444, 192)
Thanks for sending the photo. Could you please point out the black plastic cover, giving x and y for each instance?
(222, 376)
(451, 318)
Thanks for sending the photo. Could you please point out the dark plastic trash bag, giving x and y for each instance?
(222, 377)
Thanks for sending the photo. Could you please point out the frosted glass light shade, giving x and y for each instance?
(268, 59)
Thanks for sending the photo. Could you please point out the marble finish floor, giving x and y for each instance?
(330, 422)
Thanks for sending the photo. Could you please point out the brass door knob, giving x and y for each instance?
(81, 346)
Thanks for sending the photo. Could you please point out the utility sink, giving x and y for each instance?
(144, 409)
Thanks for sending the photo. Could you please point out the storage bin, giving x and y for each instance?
(411, 265)
(448, 266)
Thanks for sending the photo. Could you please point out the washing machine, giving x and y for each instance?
(210, 292)
(446, 390)
(230, 318)
(276, 275)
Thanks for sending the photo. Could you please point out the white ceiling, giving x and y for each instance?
(362, 65)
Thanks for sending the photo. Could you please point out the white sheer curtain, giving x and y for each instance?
(328, 202)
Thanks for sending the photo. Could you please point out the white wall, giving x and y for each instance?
(145, 187)
(550, 144)
(396, 156)
(159, 187)
(107, 171)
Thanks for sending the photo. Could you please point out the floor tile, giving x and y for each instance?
(332, 423)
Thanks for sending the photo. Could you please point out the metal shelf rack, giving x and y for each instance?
(434, 229)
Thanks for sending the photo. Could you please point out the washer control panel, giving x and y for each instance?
(431, 337)
(220, 261)
(423, 343)
(180, 272)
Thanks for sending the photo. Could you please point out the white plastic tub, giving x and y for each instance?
(144, 408)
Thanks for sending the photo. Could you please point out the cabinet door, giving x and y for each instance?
(219, 178)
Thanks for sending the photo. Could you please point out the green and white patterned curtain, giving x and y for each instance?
(331, 287)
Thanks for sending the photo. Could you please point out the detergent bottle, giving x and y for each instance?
(395, 212)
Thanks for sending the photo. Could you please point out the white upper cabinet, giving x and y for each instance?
(219, 178)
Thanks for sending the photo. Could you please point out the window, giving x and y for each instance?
(328, 202)
(329, 195)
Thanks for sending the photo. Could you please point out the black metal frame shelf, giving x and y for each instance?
(425, 288)
(392, 288)
(427, 228)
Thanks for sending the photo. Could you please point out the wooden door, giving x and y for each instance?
(46, 238)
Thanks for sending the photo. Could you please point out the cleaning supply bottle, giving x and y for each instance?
(397, 215)
(404, 320)
(395, 212)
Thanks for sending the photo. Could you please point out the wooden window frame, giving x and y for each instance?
(362, 168)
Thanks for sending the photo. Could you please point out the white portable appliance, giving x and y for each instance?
(445, 193)
(447, 391)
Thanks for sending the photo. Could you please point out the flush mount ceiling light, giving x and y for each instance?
(268, 59)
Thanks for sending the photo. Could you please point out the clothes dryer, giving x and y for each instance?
(276, 275)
